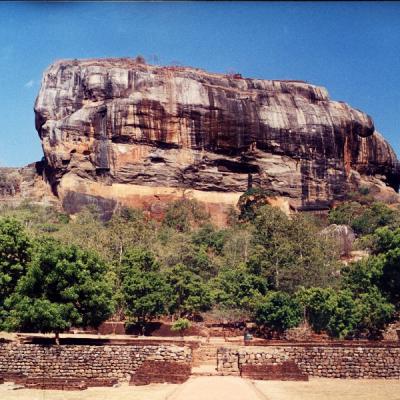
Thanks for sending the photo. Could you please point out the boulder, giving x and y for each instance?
(343, 236)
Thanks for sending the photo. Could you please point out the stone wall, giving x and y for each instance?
(151, 371)
(85, 361)
(364, 361)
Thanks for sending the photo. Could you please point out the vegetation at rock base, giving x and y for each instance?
(59, 271)
(181, 325)
(277, 312)
(64, 286)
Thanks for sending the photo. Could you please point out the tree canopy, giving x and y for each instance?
(265, 266)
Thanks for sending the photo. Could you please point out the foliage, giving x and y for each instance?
(345, 213)
(15, 254)
(374, 312)
(190, 295)
(264, 265)
(250, 201)
(145, 292)
(277, 312)
(345, 313)
(362, 275)
(63, 287)
(329, 310)
(178, 248)
(181, 325)
(210, 237)
(385, 239)
(137, 258)
(390, 280)
(317, 306)
(343, 319)
(290, 253)
(381, 270)
(127, 228)
(184, 213)
(363, 219)
(237, 288)
(145, 295)
(362, 195)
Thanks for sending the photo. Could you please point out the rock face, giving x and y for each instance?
(25, 184)
(115, 130)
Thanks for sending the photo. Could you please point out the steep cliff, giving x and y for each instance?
(114, 130)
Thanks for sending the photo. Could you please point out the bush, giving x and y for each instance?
(346, 312)
(181, 325)
(374, 312)
(329, 310)
(277, 312)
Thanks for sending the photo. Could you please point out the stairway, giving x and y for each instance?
(204, 358)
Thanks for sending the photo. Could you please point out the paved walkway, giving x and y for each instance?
(217, 388)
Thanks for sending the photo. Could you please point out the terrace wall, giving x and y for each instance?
(331, 361)
(85, 361)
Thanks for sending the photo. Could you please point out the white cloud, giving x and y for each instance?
(29, 84)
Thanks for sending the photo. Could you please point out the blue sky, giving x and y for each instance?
(353, 49)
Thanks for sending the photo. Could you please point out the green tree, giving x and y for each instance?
(183, 214)
(345, 213)
(290, 252)
(237, 288)
(381, 271)
(277, 312)
(317, 306)
(64, 286)
(250, 201)
(363, 219)
(15, 254)
(375, 216)
(374, 312)
(146, 296)
(190, 295)
(361, 276)
(178, 248)
(390, 279)
(331, 311)
(209, 237)
(343, 319)
(127, 228)
(144, 291)
(385, 239)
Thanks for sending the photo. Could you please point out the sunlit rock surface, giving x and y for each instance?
(114, 130)
(26, 184)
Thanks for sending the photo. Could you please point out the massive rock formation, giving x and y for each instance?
(115, 130)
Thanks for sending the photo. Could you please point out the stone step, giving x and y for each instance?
(205, 370)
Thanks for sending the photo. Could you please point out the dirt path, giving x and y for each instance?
(217, 388)
(331, 389)
(124, 392)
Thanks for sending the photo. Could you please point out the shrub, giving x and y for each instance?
(277, 312)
